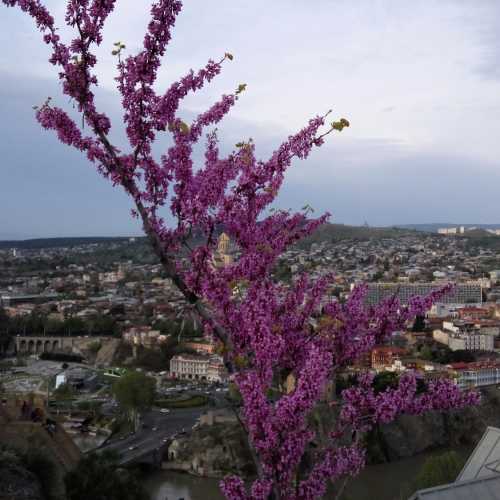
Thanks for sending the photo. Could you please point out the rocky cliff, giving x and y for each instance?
(409, 435)
(17, 483)
(211, 451)
(220, 449)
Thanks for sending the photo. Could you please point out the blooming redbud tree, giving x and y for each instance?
(264, 328)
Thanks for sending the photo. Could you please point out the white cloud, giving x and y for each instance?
(417, 80)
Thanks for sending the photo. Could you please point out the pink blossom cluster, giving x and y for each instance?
(273, 336)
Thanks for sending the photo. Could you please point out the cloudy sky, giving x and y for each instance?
(419, 82)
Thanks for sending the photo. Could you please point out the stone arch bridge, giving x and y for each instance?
(37, 344)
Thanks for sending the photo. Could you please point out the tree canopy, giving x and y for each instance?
(135, 391)
(97, 477)
(439, 469)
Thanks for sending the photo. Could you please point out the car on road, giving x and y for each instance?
(164, 440)
(164, 410)
(133, 447)
(154, 429)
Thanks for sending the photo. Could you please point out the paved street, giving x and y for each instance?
(146, 440)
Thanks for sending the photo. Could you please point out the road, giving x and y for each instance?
(146, 440)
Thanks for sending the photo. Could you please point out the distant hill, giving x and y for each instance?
(327, 232)
(338, 232)
(479, 238)
(40, 243)
(433, 227)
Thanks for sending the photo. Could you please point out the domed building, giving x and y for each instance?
(224, 255)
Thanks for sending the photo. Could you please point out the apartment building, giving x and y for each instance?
(478, 374)
(464, 293)
(467, 335)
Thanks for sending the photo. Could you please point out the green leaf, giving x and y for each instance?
(184, 127)
(241, 88)
(340, 124)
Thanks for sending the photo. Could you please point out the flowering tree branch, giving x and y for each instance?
(266, 331)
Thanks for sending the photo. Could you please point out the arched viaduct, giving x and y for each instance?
(36, 344)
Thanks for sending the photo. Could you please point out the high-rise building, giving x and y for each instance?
(464, 293)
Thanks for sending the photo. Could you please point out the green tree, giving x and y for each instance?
(426, 353)
(98, 478)
(94, 347)
(5, 329)
(384, 380)
(440, 469)
(63, 392)
(15, 463)
(53, 326)
(135, 392)
(74, 326)
(462, 356)
(4, 320)
(419, 324)
(104, 325)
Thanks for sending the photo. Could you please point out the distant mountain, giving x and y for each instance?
(39, 243)
(433, 227)
(336, 232)
(327, 232)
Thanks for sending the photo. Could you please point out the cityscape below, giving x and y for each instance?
(75, 319)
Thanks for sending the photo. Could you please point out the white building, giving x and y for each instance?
(463, 335)
(453, 230)
(197, 367)
(60, 379)
(469, 375)
(441, 336)
(447, 230)
(144, 336)
(471, 342)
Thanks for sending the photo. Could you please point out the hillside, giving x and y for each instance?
(41, 243)
(337, 232)
(327, 232)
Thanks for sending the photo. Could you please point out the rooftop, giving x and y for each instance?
(484, 461)
(487, 488)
